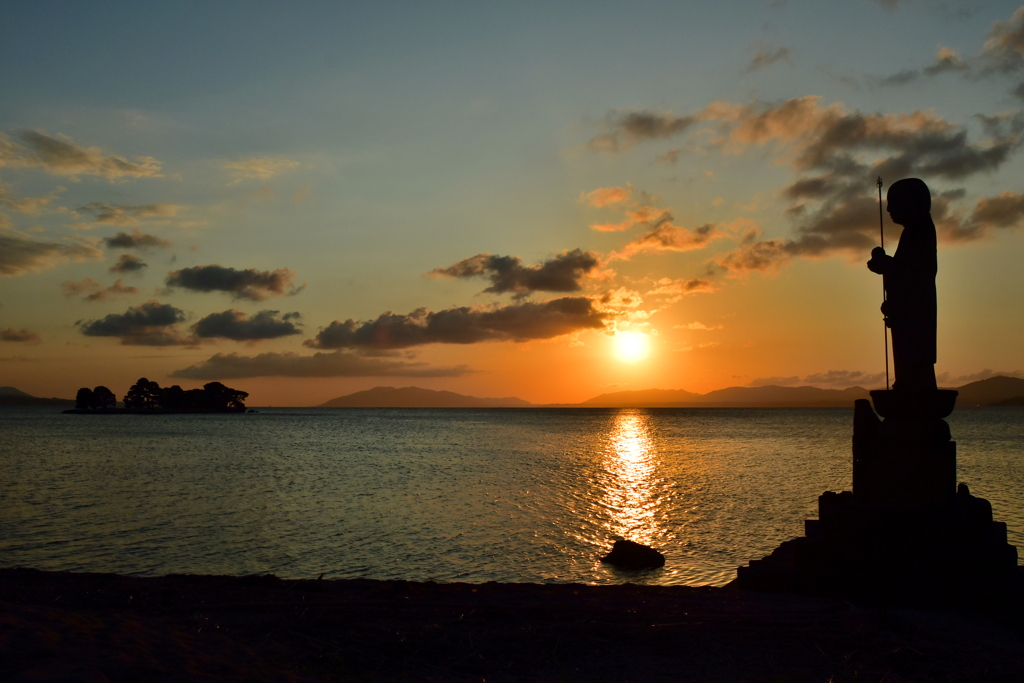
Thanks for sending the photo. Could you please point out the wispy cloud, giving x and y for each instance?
(607, 196)
(830, 379)
(94, 291)
(136, 240)
(697, 325)
(665, 236)
(626, 129)
(61, 156)
(767, 56)
(23, 336)
(674, 290)
(20, 253)
(128, 214)
(259, 168)
(29, 205)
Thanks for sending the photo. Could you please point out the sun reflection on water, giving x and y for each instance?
(630, 489)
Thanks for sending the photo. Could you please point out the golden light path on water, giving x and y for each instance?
(630, 491)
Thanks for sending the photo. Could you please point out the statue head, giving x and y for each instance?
(908, 199)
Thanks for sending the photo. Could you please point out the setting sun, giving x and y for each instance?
(631, 346)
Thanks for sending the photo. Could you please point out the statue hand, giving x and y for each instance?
(879, 261)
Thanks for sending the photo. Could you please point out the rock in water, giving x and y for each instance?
(630, 555)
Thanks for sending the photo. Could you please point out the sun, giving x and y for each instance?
(631, 346)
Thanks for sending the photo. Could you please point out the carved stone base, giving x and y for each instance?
(904, 532)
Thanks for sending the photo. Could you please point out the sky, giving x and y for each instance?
(543, 200)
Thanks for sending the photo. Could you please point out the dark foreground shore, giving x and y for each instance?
(57, 626)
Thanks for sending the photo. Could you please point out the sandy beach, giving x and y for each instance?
(57, 626)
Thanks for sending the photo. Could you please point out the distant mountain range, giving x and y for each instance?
(994, 391)
(987, 392)
(731, 397)
(414, 397)
(9, 396)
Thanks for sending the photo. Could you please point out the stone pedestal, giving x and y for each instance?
(906, 531)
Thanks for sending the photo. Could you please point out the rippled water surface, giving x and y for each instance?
(447, 495)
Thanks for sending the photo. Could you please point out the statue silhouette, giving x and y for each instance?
(909, 280)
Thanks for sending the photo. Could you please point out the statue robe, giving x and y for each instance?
(910, 306)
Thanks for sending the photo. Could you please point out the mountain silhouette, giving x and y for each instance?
(731, 397)
(644, 398)
(414, 397)
(986, 392)
(9, 396)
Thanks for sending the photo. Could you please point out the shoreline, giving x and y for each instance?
(106, 627)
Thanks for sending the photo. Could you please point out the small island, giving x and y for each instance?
(146, 397)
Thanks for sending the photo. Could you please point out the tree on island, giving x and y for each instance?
(100, 398)
(214, 397)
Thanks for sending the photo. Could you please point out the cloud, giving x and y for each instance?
(251, 284)
(336, 364)
(947, 60)
(947, 379)
(846, 378)
(832, 201)
(259, 168)
(621, 298)
(236, 325)
(665, 236)
(465, 325)
(606, 196)
(674, 290)
(1002, 53)
(128, 263)
(762, 256)
(767, 56)
(1002, 211)
(29, 205)
(64, 157)
(562, 273)
(136, 240)
(23, 335)
(890, 5)
(832, 379)
(21, 254)
(149, 324)
(1004, 49)
(642, 215)
(128, 214)
(696, 325)
(95, 291)
(630, 128)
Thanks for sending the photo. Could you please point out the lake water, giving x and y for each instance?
(444, 495)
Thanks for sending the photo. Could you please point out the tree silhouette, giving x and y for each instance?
(100, 398)
(83, 399)
(103, 398)
(143, 395)
(147, 396)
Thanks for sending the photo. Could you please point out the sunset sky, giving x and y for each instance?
(545, 200)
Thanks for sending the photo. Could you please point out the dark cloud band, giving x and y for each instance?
(465, 325)
(563, 273)
(252, 284)
(236, 325)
